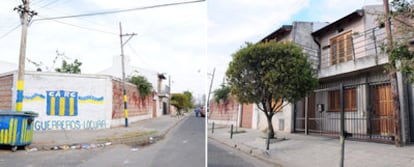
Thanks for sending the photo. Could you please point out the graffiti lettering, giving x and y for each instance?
(68, 125)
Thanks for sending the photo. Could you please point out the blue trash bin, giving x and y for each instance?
(16, 128)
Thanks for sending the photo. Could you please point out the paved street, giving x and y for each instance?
(220, 155)
(183, 146)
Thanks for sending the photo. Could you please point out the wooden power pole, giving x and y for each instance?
(25, 16)
(123, 71)
(393, 77)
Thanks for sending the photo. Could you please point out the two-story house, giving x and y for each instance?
(351, 53)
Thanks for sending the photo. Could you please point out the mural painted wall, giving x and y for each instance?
(68, 102)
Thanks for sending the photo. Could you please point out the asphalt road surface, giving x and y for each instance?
(220, 155)
(183, 146)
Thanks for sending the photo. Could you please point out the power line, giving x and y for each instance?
(119, 11)
(48, 4)
(86, 28)
(142, 59)
(10, 31)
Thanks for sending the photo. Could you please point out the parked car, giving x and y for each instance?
(202, 112)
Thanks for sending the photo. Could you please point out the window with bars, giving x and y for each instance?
(341, 48)
(350, 100)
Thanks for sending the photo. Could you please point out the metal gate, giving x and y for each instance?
(368, 112)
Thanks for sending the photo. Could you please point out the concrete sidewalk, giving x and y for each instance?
(137, 133)
(297, 150)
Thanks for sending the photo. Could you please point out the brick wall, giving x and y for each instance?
(223, 111)
(137, 106)
(6, 83)
(247, 116)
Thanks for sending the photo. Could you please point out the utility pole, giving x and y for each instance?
(169, 95)
(393, 77)
(209, 90)
(25, 16)
(123, 70)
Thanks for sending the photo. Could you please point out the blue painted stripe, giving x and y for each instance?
(34, 96)
(91, 98)
(19, 96)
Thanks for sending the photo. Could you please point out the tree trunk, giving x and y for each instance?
(271, 132)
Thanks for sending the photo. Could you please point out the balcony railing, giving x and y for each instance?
(365, 44)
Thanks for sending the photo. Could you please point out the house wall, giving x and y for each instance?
(224, 113)
(67, 102)
(6, 84)
(73, 101)
(247, 116)
(138, 108)
(302, 35)
(281, 121)
(367, 50)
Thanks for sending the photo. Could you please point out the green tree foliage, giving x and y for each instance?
(190, 100)
(73, 68)
(403, 18)
(264, 73)
(144, 87)
(179, 101)
(222, 93)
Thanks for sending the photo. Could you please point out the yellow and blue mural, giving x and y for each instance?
(62, 102)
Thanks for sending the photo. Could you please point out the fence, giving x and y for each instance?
(368, 112)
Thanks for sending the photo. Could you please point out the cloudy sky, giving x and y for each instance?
(184, 41)
(231, 23)
(170, 39)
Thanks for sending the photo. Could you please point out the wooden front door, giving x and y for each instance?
(311, 110)
(247, 116)
(382, 110)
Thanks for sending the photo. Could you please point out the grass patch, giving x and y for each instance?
(239, 131)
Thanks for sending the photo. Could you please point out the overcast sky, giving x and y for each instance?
(185, 41)
(170, 39)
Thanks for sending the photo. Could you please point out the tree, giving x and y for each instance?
(222, 93)
(190, 100)
(180, 101)
(270, 75)
(144, 87)
(403, 19)
(73, 68)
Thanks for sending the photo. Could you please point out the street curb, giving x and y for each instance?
(135, 140)
(254, 152)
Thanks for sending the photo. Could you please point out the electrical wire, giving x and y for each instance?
(142, 59)
(119, 11)
(48, 4)
(10, 31)
(86, 28)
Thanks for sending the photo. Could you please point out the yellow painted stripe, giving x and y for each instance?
(30, 135)
(19, 106)
(20, 85)
(6, 136)
(52, 106)
(15, 131)
(71, 106)
(91, 101)
(62, 106)
(1, 136)
(23, 128)
(10, 130)
(126, 113)
(125, 98)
